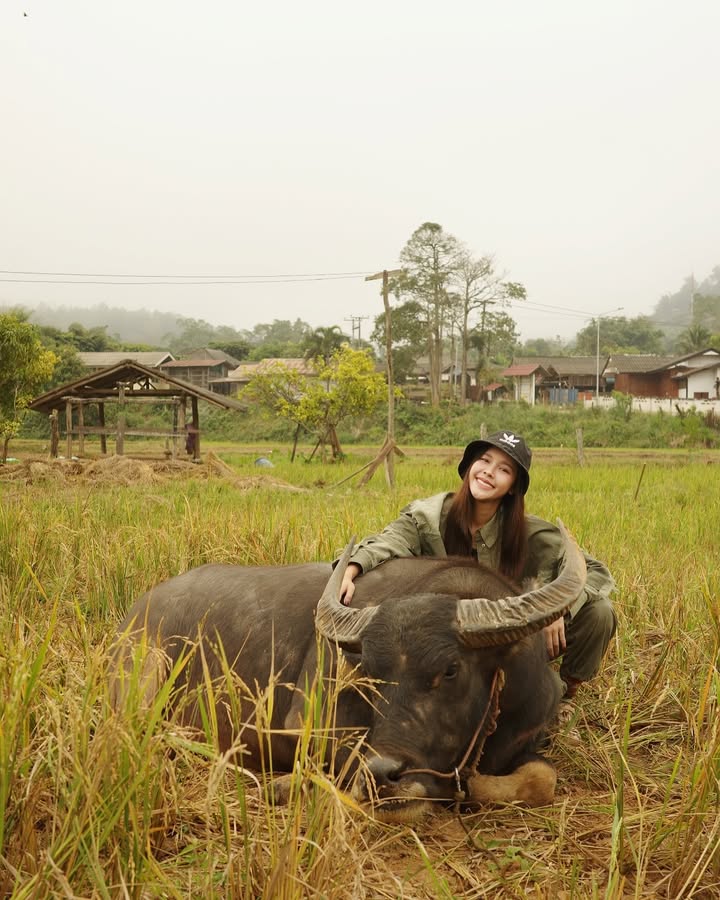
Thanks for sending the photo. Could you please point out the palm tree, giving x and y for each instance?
(323, 342)
(695, 337)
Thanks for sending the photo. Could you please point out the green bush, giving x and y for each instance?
(449, 425)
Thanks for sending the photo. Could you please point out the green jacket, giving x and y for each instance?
(419, 529)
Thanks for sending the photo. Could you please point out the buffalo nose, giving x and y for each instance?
(384, 773)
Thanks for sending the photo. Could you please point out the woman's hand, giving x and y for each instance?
(555, 637)
(347, 588)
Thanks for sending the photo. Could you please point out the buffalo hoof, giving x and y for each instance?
(281, 788)
(532, 784)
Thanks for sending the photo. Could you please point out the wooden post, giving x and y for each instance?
(120, 435)
(181, 418)
(196, 429)
(637, 489)
(579, 439)
(176, 417)
(54, 434)
(68, 428)
(103, 436)
(295, 443)
(81, 429)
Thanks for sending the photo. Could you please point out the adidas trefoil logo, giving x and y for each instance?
(510, 439)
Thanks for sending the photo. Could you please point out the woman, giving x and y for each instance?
(486, 519)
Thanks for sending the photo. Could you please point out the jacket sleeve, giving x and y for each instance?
(399, 538)
(545, 558)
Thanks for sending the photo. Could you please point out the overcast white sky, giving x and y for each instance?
(577, 142)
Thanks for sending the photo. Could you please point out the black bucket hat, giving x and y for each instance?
(509, 443)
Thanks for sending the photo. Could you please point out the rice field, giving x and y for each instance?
(94, 804)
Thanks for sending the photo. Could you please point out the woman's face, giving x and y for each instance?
(492, 475)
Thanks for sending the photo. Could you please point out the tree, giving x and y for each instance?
(281, 331)
(496, 341)
(409, 337)
(543, 347)
(69, 366)
(346, 386)
(24, 366)
(706, 311)
(692, 304)
(236, 348)
(619, 334)
(323, 342)
(276, 350)
(695, 337)
(91, 340)
(430, 260)
(483, 291)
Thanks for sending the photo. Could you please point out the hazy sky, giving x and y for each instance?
(577, 142)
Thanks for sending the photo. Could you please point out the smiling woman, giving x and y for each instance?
(486, 519)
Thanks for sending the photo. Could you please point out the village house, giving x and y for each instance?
(693, 376)
(531, 381)
(202, 368)
(239, 377)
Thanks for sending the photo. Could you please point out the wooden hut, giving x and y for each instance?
(126, 383)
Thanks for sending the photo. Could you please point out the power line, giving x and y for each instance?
(284, 276)
(99, 278)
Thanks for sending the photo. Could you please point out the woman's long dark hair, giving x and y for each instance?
(458, 536)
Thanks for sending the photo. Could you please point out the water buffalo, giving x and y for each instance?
(430, 642)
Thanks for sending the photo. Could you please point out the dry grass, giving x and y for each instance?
(97, 804)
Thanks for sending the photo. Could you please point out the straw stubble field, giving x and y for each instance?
(94, 804)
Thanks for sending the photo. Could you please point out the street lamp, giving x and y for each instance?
(597, 351)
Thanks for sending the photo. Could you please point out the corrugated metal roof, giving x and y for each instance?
(205, 355)
(638, 364)
(195, 363)
(564, 365)
(527, 369)
(102, 359)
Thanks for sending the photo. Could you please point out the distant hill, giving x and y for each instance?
(140, 326)
(674, 312)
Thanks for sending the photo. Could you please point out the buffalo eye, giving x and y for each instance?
(353, 659)
(451, 671)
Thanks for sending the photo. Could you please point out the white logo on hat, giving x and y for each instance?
(510, 439)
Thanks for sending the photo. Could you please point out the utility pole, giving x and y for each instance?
(692, 298)
(356, 320)
(389, 448)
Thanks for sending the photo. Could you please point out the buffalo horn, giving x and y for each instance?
(489, 623)
(335, 621)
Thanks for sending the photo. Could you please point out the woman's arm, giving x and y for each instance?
(399, 538)
(416, 532)
(545, 556)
